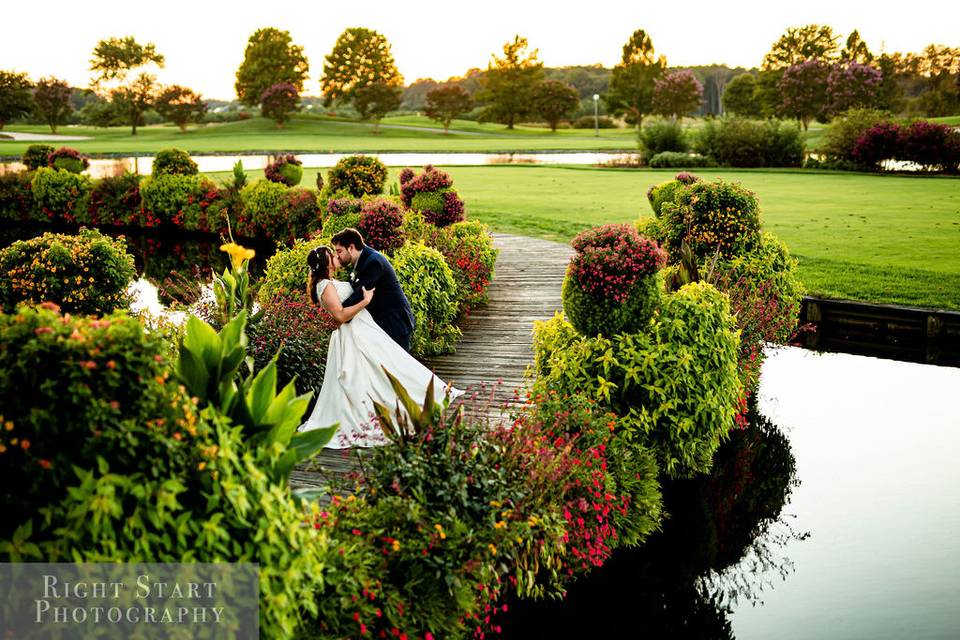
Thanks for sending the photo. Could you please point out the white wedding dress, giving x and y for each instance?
(354, 376)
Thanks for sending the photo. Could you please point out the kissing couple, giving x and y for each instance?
(375, 325)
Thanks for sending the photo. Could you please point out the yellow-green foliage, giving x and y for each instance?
(286, 271)
(675, 384)
(432, 290)
(60, 194)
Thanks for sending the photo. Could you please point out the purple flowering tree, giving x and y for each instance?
(677, 94)
(279, 101)
(852, 85)
(803, 90)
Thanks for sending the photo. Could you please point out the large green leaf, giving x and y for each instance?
(262, 392)
(413, 410)
(203, 341)
(193, 373)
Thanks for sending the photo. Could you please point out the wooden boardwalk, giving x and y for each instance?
(495, 351)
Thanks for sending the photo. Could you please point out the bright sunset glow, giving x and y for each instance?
(204, 41)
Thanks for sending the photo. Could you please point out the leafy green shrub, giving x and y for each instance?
(666, 192)
(341, 214)
(672, 159)
(286, 271)
(174, 162)
(36, 156)
(84, 273)
(16, 196)
(612, 283)
(274, 210)
(432, 290)
(286, 169)
(674, 385)
(60, 195)
(115, 200)
(711, 216)
(360, 175)
(840, 137)
(738, 142)
(178, 200)
(587, 122)
(468, 249)
(427, 201)
(662, 135)
(431, 180)
(68, 159)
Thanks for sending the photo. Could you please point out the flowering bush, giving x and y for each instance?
(68, 159)
(36, 156)
(440, 208)
(381, 224)
(674, 384)
(286, 169)
(932, 145)
(432, 290)
(60, 195)
(279, 101)
(406, 174)
(178, 200)
(468, 249)
(275, 211)
(115, 200)
(174, 162)
(16, 196)
(360, 175)
(710, 217)
(430, 180)
(877, 143)
(83, 273)
(852, 85)
(667, 191)
(611, 284)
(341, 214)
(843, 131)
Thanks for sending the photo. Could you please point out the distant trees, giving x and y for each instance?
(360, 69)
(180, 106)
(799, 44)
(739, 97)
(15, 98)
(803, 90)
(270, 58)
(855, 50)
(554, 101)
(509, 83)
(114, 61)
(632, 82)
(446, 102)
(51, 99)
(376, 100)
(676, 94)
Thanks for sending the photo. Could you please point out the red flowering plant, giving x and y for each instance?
(877, 143)
(115, 200)
(429, 181)
(468, 249)
(934, 146)
(69, 159)
(381, 223)
(612, 284)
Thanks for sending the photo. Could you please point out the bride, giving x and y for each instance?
(354, 377)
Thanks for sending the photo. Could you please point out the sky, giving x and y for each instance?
(203, 41)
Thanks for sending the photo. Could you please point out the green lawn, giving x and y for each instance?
(319, 134)
(857, 236)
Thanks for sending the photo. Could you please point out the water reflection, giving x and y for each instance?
(723, 540)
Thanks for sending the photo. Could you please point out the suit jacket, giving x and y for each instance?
(390, 308)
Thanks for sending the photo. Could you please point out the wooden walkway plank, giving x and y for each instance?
(497, 339)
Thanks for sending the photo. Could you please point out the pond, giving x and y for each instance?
(101, 167)
(836, 514)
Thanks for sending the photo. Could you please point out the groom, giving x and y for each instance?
(390, 308)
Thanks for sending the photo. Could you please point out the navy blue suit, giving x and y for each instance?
(390, 308)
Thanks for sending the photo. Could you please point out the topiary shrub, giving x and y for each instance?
(431, 180)
(286, 271)
(36, 156)
(360, 175)
(381, 224)
(710, 217)
(286, 169)
(60, 195)
(341, 214)
(68, 159)
(16, 196)
(663, 193)
(674, 384)
(178, 200)
(660, 136)
(672, 159)
(174, 162)
(432, 290)
(115, 200)
(84, 273)
(611, 284)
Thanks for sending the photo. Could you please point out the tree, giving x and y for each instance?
(51, 99)
(114, 60)
(855, 50)
(278, 102)
(677, 94)
(446, 102)
(360, 57)
(15, 98)
(554, 100)
(803, 91)
(852, 85)
(270, 58)
(632, 81)
(890, 93)
(799, 44)
(180, 106)
(740, 97)
(415, 96)
(376, 100)
(509, 81)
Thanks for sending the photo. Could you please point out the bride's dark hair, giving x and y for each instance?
(320, 261)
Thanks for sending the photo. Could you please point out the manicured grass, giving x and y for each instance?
(320, 134)
(857, 236)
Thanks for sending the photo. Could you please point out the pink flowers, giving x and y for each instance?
(611, 258)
